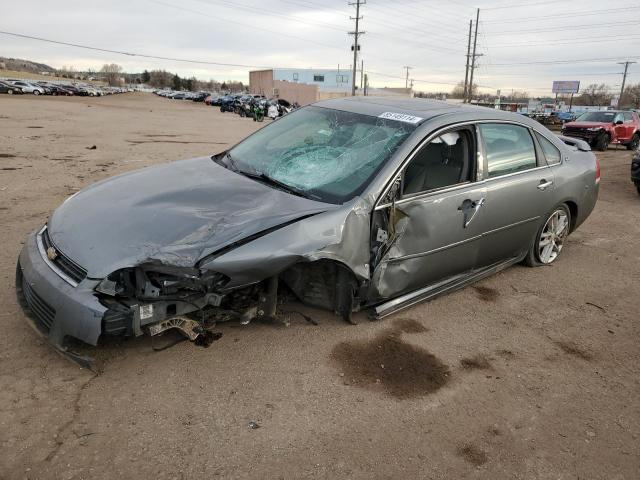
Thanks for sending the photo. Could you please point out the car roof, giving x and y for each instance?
(423, 108)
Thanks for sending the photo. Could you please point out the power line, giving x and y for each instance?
(624, 79)
(134, 54)
(558, 62)
(247, 8)
(417, 80)
(406, 82)
(356, 46)
(555, 16)
(575, 42)
(252, 26)
(473, 58)
(526, 5)
(466, 71)
(564, 27)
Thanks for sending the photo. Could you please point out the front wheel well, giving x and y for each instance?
(324, 283)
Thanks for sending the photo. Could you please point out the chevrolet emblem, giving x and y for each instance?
(52, 254)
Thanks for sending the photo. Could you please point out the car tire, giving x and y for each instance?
(602, 142)
(10, 92)
(635, 141)
(36, 92)
(550, 237)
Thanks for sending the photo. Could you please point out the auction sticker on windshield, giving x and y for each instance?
(401, 117)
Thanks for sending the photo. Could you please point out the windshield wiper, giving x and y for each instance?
(263, 177)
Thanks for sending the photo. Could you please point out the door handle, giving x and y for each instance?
(544, 184)
(470, 209)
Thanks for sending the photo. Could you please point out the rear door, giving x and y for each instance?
(629, 126)
(621, 129)
(430, 230)
(520, 190)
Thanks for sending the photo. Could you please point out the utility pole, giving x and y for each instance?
(356, 46)
(624, 80)
(466, 72)
(361, 73)
(406, 81)
(473, 56)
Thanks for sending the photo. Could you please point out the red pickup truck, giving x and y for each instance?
(601, 128)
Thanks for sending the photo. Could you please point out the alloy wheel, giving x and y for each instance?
(552, 238)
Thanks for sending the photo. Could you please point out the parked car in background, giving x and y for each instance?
(75, 90)
(6, 87)
(227, 103)
(351, 203)
(212, 99)
(28, 87)
(200, 96)
(54, 89)
(602, 128)
(635, 170)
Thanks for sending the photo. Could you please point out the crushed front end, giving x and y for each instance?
(62, 302)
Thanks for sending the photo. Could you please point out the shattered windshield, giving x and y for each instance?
(322, 153)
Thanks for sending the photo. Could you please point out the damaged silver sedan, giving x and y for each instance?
(348, 204)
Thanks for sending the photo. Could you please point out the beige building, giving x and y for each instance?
(303, 86)
(306, 86)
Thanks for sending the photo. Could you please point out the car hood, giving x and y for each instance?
(587, 124)
(174, 214)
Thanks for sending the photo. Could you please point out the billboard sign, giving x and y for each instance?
(566, 86)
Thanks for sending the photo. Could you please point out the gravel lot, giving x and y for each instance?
(532, 373)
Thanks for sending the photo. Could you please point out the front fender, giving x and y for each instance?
(341, 235)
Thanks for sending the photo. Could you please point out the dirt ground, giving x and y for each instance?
(530, 374)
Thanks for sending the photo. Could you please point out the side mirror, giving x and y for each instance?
(618, 122)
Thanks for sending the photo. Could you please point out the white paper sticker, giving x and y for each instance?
(146, 311)
(401, 117)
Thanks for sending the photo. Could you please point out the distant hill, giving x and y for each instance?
(20, 65)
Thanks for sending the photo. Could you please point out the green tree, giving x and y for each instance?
(176, 82)
(146, 76)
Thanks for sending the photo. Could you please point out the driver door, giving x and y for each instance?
(427, 230)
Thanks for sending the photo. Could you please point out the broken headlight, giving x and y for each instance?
(159, 281)
(118, 284)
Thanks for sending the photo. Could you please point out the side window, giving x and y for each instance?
(509, 148)
(445, 161)
(628, 117)
(551, 152)
(618, 118)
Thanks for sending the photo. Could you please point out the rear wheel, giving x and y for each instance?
(36, 92)
(550, 238)
(10, 92)
(635, 141)
(602, 142)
